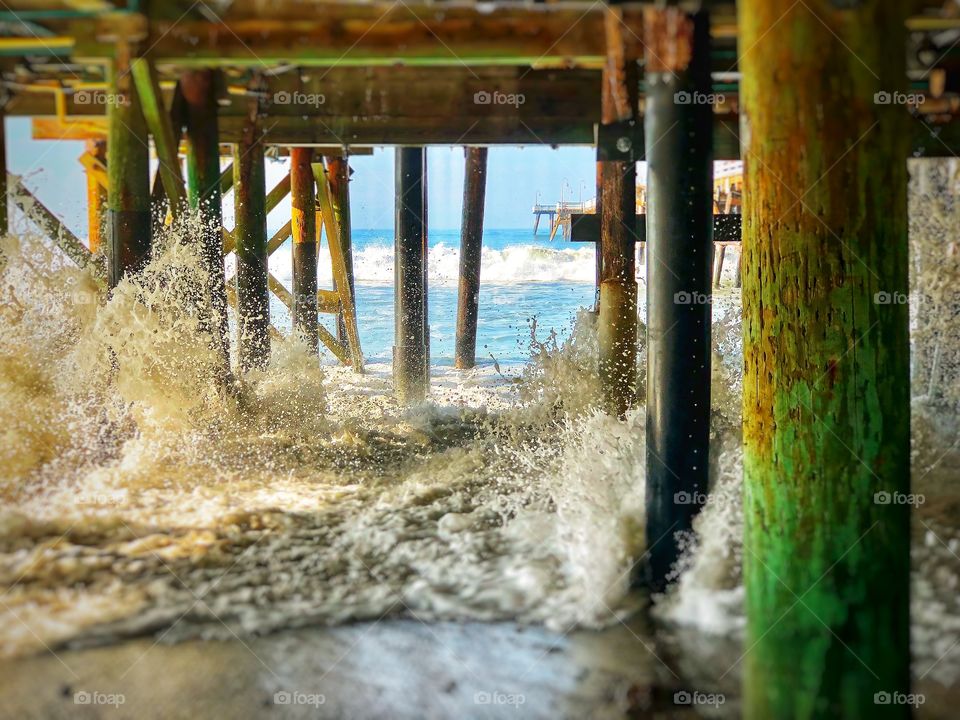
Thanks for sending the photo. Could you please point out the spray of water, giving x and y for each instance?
(140, 494)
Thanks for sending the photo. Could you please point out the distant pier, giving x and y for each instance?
(559, 214)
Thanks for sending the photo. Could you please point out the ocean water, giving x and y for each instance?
(522, 277)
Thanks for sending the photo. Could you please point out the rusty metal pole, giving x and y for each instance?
(198, 89)
(338, 171)
(471, 246)
(679, 133)
(128, 170)
(617, 324)
(304, 230)
(409, 352)
(250, 233)
(826, 381)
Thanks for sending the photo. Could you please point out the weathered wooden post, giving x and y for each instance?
(96, 195)
(304, 230)
(679, 133)
(250, 234)
(409, 352)
(128, 170)
(617, 170)
(338, 172)
(826, 401)
(4, 216)
(718, 266)
(471, 245)
(198, 89)
(597, 255)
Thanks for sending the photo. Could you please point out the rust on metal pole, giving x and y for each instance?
(198, 90)
(303, 228)
(617, 325)
(826, 381)
(338, 174)
(128, 169)
(96, 195)
(471, 245)
(250, 236)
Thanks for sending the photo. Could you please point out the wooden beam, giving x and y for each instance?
(49, 224)
(165, 139)
(370, 33)
(928, 138)
(278, 192)
(422, 106)
(83, 128)
(586, 228)
(94, 161)
(272, 199)
(338, 175)
(328, 301)
(226, 179)
(95, 165)
(280, 237)
(437, 130)
(338, 263)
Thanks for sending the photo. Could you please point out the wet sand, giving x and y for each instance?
(392, 669)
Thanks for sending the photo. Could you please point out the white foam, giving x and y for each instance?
(373, 264)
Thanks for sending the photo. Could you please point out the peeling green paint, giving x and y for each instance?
(826, 373)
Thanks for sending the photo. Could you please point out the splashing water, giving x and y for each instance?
(142, 496)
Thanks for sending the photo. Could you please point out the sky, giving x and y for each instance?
(517, 177)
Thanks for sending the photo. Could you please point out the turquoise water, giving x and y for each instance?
(522, 278)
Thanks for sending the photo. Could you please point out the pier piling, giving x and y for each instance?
(96, 195)
(304, 230)
(128, 170)
(4, 205)
(718, 266)
(410, 360)
(198, 91)
(826, 387)
(471, 245)
(617, 172)
(250, 235)
(678, 128)
(425, 242)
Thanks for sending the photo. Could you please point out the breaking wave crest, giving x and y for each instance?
(373, 264)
